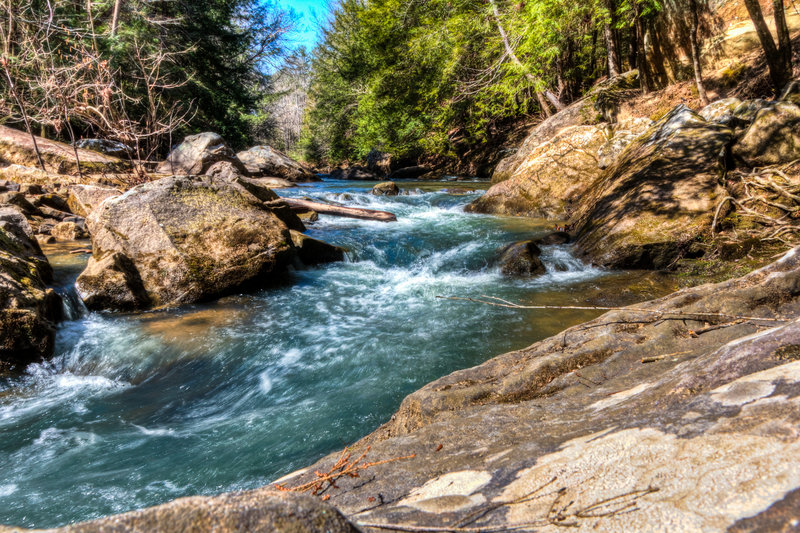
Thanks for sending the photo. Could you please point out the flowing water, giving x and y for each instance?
(138, 409)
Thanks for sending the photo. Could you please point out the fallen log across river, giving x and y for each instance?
(301, 205)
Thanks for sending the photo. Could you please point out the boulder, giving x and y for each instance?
(314, 252)
(548, 182)
(28, 309)
(31, 189)
(521, 259)
(634, 421)
(387, 188)
(7, 185)
(659, 197)
(68, 231)
(187, 238)
(104, 146)
(599, 101)
(772, 138)
(45, 239)
(621, 135)
(196, 154)
(265, 161)
(226, 170)
(791, 93)
(721, 111)
(353, 173)
(16, 148)
(83, 199)
(255, 511)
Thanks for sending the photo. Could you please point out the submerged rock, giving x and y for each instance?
(266, 161)
(187, 238)
(387, 188)
(521, 259)
(625, 423)
(552, 177)
(197, 153)
(28, 309)
(660, 196)
(772, 138)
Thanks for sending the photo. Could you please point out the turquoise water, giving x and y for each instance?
(136, 410)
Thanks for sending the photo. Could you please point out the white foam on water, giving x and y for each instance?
(7, 490)
(264, 382)
(155, 432)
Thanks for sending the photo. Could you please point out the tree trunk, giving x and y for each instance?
(641, 50)
(543, 104)
(784, 40)
(777, 71)
(115, 17)
(698, 68)
(611, 46)
(298, 204)
(511, 54)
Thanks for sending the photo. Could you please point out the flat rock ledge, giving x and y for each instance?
(640, 420)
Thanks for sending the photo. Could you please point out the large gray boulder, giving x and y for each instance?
(521, 259)
(550, 179)
(640, 420)
(266, 161)
(658, 198)
(772, 138)
(179, 240)
(597, 106)
(28, 309)
(196, 154)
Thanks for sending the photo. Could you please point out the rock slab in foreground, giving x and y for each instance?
(658, 198)
(248, 512)
(28, 309)
(630, 422)
(179, 240)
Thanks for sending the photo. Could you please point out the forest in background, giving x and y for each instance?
(410, 78)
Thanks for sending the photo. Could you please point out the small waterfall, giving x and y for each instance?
(74, 307)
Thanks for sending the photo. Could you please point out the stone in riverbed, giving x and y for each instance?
(188, 238)
(68, 231)
(556, 237)
(387, 188)
(314, 252)
(28, 309)
(521, 259)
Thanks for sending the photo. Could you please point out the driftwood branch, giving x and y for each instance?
(499, 302)
(298, 204)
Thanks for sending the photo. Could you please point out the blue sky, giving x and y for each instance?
(310, 14)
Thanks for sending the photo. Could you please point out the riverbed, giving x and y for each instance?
(138, 409)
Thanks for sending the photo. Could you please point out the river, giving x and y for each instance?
(138, 409)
